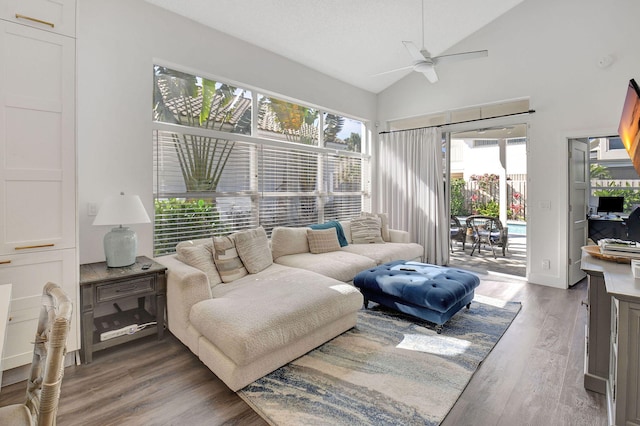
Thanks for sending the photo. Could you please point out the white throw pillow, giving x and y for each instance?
(253, 248)
(200, 256)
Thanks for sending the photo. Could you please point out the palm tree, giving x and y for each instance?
(181, 98)
(296, 122)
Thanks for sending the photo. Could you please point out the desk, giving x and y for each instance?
(600, 228)
(5, 299)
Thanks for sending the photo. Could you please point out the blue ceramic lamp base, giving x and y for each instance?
(120, 247)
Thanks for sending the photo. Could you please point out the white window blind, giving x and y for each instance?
(260, 184)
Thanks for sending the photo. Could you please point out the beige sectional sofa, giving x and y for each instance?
(290, 247)
(261, 319)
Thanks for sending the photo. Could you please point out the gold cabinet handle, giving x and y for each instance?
(5, 262)
(34, 247)
(39, 21)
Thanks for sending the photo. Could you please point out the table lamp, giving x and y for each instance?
(121, 244)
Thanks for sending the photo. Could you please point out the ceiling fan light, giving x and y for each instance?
(422, 66)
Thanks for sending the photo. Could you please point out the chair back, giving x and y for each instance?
(488, 223)
(47, 367)
(489, 227)
(633, 225)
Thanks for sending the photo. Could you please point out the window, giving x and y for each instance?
(485, 142)
(213, 176)
(615, 143)
(612, 173)
(283, 120)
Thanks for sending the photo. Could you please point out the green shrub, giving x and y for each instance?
(490, 208)
(180, 220)
(458, 204)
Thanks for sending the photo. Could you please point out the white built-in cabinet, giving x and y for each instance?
(623, 393)
(38, 214)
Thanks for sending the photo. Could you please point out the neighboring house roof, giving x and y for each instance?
(233, 112)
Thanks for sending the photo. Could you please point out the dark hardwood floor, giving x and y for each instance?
(533, 376)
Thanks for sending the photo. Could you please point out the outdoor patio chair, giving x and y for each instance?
(458, 232)
(489, 231)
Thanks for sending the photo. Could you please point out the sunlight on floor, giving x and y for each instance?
(438, 345)
(489, 301)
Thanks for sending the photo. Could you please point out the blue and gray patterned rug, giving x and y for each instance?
(388, 370)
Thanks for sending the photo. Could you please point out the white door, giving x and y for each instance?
(578, 204)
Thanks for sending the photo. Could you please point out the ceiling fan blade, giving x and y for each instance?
(431, 75)
(413, 51)
(393, 70)
(460, 56)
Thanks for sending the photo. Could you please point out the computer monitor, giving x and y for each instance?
(610, 204)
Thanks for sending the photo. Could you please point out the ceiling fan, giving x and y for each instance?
(425, 63)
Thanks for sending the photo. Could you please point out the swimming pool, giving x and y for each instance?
(517, 228)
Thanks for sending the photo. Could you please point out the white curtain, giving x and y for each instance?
(411, 189)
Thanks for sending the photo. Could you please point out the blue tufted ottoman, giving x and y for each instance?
(432, 293)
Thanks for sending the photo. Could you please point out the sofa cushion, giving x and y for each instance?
(285, 240)
(342, 239)
(387, 252)
(200, 256)
(253, 248)
(226, 258)
(366, 229)
(323, 240)
(384, 224)
(339, 265)
(255, 317)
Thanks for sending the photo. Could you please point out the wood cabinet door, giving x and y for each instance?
(58, 16)
(37, 140)
(28, 273)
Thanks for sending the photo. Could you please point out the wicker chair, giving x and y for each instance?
(458, 232)
(489, 231)
(47, 367)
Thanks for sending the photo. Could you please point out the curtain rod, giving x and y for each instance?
(531, 111)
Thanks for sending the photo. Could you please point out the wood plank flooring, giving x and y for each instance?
(533, 376)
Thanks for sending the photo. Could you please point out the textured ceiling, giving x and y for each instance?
(350, 40)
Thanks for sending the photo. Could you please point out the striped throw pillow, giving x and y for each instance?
(366, 230)
(225, 256)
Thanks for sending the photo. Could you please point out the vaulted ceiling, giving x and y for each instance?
(350, 40)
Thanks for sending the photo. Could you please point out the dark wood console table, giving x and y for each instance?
(103, 287)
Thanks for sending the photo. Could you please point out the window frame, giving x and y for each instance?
(322, 193)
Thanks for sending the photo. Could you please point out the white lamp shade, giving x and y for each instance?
(122, 210)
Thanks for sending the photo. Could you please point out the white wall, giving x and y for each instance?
(546, 50)
(118, 41)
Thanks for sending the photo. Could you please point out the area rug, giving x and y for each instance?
(388, 370)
